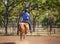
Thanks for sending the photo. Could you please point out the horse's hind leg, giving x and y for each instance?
(21, 36)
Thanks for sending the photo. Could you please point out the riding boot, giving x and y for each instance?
(30, 28)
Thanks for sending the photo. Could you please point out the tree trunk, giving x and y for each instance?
(6, 22)
(34, 24)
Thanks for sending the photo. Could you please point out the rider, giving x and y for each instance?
(26, 18)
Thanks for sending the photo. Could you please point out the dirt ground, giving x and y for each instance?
(30, 40)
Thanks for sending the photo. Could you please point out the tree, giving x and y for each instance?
(9, 4)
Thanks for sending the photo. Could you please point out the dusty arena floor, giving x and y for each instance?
(30, 40)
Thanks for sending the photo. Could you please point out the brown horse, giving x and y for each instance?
(24, 29)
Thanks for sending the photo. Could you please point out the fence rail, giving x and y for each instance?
(38, 31)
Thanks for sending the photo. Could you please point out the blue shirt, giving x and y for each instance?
(25, 17)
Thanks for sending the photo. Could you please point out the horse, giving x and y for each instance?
(23, 29)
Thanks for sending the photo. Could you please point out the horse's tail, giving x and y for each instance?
(24, 27)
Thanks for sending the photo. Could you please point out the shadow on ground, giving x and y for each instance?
(8, 43)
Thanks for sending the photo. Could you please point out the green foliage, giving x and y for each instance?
(37, 7)
(45, 20)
